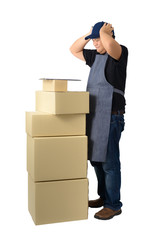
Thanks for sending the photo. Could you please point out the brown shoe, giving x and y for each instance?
(107, 213)
(96, 203)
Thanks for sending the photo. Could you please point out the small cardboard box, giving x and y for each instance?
(58, 201)
(62, 102)
(55, 85)
(44, 124)
(56, 158)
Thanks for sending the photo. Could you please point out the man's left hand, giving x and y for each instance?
(107, 28)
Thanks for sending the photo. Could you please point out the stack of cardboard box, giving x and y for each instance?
(57, 154)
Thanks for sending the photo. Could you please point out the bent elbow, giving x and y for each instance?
(71, 50)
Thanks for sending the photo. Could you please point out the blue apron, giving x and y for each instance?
(98, 120)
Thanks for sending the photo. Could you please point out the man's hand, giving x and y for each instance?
(107, 28)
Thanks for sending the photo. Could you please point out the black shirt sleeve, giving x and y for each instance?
(89, 56)
(116, 73)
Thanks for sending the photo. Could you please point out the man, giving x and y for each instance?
(105, 122)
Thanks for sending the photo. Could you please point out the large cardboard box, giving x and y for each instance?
(62, 102)
(55, 85)
(58, 201)
(55, 158)
(44, 124)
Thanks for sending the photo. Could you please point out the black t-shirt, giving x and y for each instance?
(115, 73)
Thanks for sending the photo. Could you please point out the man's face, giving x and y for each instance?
(98, 45)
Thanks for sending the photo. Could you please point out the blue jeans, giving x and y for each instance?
(108, 173)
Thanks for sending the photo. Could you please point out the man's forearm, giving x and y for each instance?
(79, 44)
(112, 47)
(106, 40)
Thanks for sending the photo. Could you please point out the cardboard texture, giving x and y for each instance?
(56, 158)
(62, 102)
(58, 201)
(55, 85)
(44, 124)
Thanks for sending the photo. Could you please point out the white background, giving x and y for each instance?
(35, 40)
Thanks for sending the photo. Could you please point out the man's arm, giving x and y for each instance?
(78, 46)
(112, 47)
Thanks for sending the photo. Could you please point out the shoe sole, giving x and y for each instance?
(96, 206)
(118, 213)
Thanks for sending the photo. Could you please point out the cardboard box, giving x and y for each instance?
(55, 85)
(62, 102)
(58, 201)
(56, 158)
(44, 124)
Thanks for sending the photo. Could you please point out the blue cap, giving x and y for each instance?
(95, 31)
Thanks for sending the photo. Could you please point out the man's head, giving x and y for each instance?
(95, 36)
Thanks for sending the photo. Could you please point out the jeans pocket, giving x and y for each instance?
(122, 123)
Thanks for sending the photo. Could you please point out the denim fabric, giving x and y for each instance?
(108, 173)
(98, 120)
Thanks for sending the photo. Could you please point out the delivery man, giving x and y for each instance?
(105, 122)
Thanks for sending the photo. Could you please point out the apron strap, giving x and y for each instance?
(118, 91)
